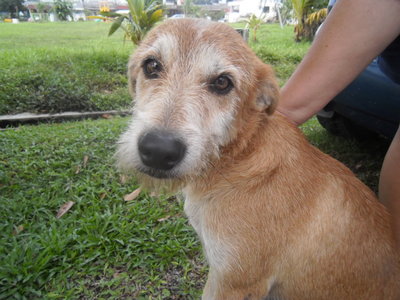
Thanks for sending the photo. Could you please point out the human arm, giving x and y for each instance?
(354, 33)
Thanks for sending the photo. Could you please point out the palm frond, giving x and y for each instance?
(116, 24)
(143, 15)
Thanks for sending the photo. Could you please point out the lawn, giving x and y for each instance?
(54, 67)
(105, 247)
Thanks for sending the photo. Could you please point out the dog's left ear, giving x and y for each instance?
(267, 89)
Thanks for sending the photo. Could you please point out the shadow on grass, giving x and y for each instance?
(364, 158)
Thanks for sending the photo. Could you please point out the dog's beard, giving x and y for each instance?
(160, 185)
(174, 183)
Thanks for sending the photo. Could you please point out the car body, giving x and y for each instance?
(177, 16)
(370, 104)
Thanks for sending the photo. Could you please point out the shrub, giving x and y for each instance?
(143, 15)
(63, 9)
(254, 24)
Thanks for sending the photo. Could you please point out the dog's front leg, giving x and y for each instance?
(212, 287)
(215, 289)
(211, 292)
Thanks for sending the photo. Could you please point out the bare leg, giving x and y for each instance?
(389, 184)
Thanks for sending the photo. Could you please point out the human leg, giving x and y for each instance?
(389, 184)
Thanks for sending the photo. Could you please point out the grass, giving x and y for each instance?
(103, 247)
(364, 158)
(54, 67)
(275, 46)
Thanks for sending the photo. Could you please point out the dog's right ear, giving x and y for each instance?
(267, 89)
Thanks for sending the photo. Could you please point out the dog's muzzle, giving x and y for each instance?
(160, 151)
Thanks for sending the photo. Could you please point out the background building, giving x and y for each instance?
(242, 9)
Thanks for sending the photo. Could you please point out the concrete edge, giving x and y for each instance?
(31, 118)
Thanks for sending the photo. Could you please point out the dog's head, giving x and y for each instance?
(197, 88)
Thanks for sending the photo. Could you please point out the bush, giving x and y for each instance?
(63, 9)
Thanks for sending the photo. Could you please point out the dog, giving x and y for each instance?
(277, 218)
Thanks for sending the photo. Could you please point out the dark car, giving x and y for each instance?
(370, 104)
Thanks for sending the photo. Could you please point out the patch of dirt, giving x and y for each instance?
(121, 285)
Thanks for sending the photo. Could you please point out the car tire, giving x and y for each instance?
(340, 126)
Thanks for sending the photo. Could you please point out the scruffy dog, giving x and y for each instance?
(278, 219)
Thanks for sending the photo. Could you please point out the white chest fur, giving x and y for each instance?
(204, 219)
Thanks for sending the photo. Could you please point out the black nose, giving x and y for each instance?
(161, 150)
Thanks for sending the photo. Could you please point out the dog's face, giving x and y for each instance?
(196, 87)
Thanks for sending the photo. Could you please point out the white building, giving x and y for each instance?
(173, 2)
(242, 9)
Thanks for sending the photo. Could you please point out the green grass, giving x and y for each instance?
(276, 46)
(103, 247)
(364, 158)
(54, 67)
(59, 35)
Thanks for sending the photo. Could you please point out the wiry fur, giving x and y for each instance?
(277, 217)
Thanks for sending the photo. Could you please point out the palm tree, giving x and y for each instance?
(309, 15)
(254, 24)
(143, 15)
(300, 8)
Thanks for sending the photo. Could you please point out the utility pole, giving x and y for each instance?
(278, 10)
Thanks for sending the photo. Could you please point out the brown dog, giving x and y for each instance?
(278, 219)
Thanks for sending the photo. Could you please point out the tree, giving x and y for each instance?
(202, 2)
(286, 11)
(302, 9)
(63, 9)
(13, 7)
(318, 4)
(313, 21)
(143, 15)
(188, 7)
(254, 24)
(43, 8)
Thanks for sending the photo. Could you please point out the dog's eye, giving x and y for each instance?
(152, 68)
(222, 85)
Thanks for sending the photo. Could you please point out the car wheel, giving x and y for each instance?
(340, 126)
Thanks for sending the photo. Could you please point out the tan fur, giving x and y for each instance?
(278, 219)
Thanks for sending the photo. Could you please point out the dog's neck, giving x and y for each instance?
(267, 143)
(260, 132)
